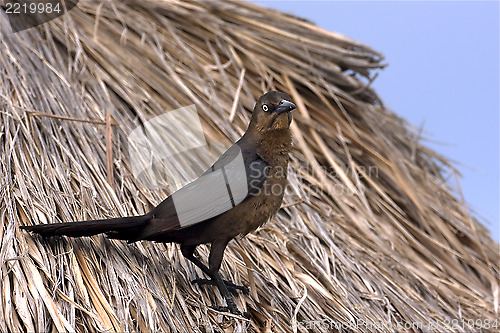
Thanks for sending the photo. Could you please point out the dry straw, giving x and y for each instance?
(370, 234)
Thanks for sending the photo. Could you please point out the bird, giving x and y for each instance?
(241, 191)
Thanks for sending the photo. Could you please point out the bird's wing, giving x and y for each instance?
(231, 179)
(229, 155)
(256, 169)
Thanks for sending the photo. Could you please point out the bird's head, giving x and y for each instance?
(272, 111)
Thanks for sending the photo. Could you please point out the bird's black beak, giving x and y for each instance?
(285, 106)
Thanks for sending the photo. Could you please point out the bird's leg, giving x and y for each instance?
(188, 253)
(215, 260)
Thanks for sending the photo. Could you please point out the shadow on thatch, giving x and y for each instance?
(370, 234)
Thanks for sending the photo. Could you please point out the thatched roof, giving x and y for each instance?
(370, 232)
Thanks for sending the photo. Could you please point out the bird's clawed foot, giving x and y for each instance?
(233, 288)
(231, 308)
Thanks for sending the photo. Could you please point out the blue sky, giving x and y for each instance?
(443, 75)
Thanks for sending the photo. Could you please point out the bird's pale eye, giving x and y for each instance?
(265, 108)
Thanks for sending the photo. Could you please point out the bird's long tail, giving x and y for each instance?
(116, 226)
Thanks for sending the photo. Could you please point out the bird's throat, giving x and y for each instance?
(281, 121)
(275, 146)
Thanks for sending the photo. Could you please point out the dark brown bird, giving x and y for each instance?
(239, 193)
